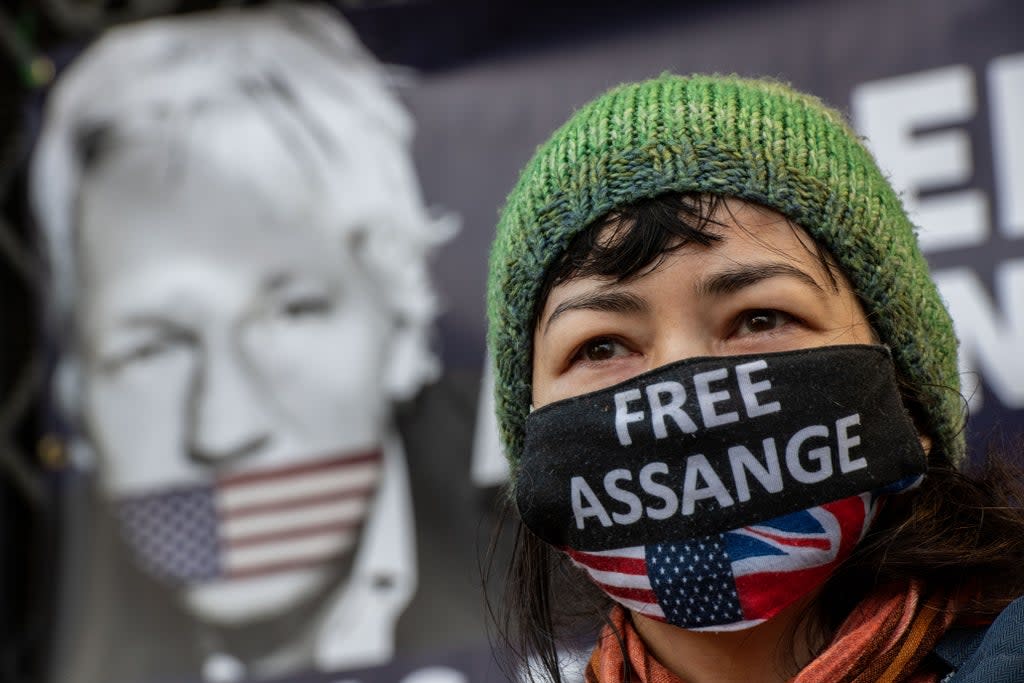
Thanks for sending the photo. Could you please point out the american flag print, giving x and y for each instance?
(253, 523)
(736, 579)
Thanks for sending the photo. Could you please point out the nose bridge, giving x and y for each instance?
(228, 420)
(678, 340)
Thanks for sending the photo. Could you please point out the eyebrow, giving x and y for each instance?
(606, 302)
(733, 280)
(276, 281)
(140, 320)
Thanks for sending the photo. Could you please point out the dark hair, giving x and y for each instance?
(633, 240)
(961, 531)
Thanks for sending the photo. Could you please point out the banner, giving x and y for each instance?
(269, 304)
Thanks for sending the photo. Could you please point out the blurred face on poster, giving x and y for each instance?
(233, 359)
(246, 246)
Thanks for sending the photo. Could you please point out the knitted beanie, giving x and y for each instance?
(755, 140)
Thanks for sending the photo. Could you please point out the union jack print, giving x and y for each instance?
(735, 579)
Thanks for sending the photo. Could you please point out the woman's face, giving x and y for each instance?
(760, 288)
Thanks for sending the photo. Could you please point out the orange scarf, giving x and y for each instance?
(884, 640)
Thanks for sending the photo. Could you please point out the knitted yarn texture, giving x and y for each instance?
(756, 140)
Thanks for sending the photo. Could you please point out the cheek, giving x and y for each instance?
(333, 356)
(328, 373)
(113, 407)
(343, 346)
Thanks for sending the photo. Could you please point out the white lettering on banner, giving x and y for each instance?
(622, 415)
(844, 442)
(989, 340)
(580, 489)
(1006, 87)
(713, 403)
(698, 465)
(660, 491)
(673, 409)
(809, 458)
(768, 475)
(901, 118)
(750, 389)
(889, 112)
(708, 399)
(611, 481)
(822, 455)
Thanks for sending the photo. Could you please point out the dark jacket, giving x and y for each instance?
(993, 654)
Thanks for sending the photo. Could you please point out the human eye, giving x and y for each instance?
(599, 350)
(142, 350)
(761, 321)
(301, 301)
(305, 306)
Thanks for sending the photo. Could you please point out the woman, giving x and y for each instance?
(728, 390)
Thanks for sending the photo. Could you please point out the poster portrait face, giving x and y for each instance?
(248, 343)
(239, 246)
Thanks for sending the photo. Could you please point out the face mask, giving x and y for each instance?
(713, 492)
(253, 523)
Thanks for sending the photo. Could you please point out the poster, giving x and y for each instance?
(936, 88)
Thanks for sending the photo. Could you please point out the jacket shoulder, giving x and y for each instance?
(987, 655)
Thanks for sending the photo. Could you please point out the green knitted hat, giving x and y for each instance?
(755, 140)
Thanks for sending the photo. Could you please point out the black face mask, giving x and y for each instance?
(713, 492)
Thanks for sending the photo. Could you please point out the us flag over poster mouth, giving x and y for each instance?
(735, 579)
(253, 523)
